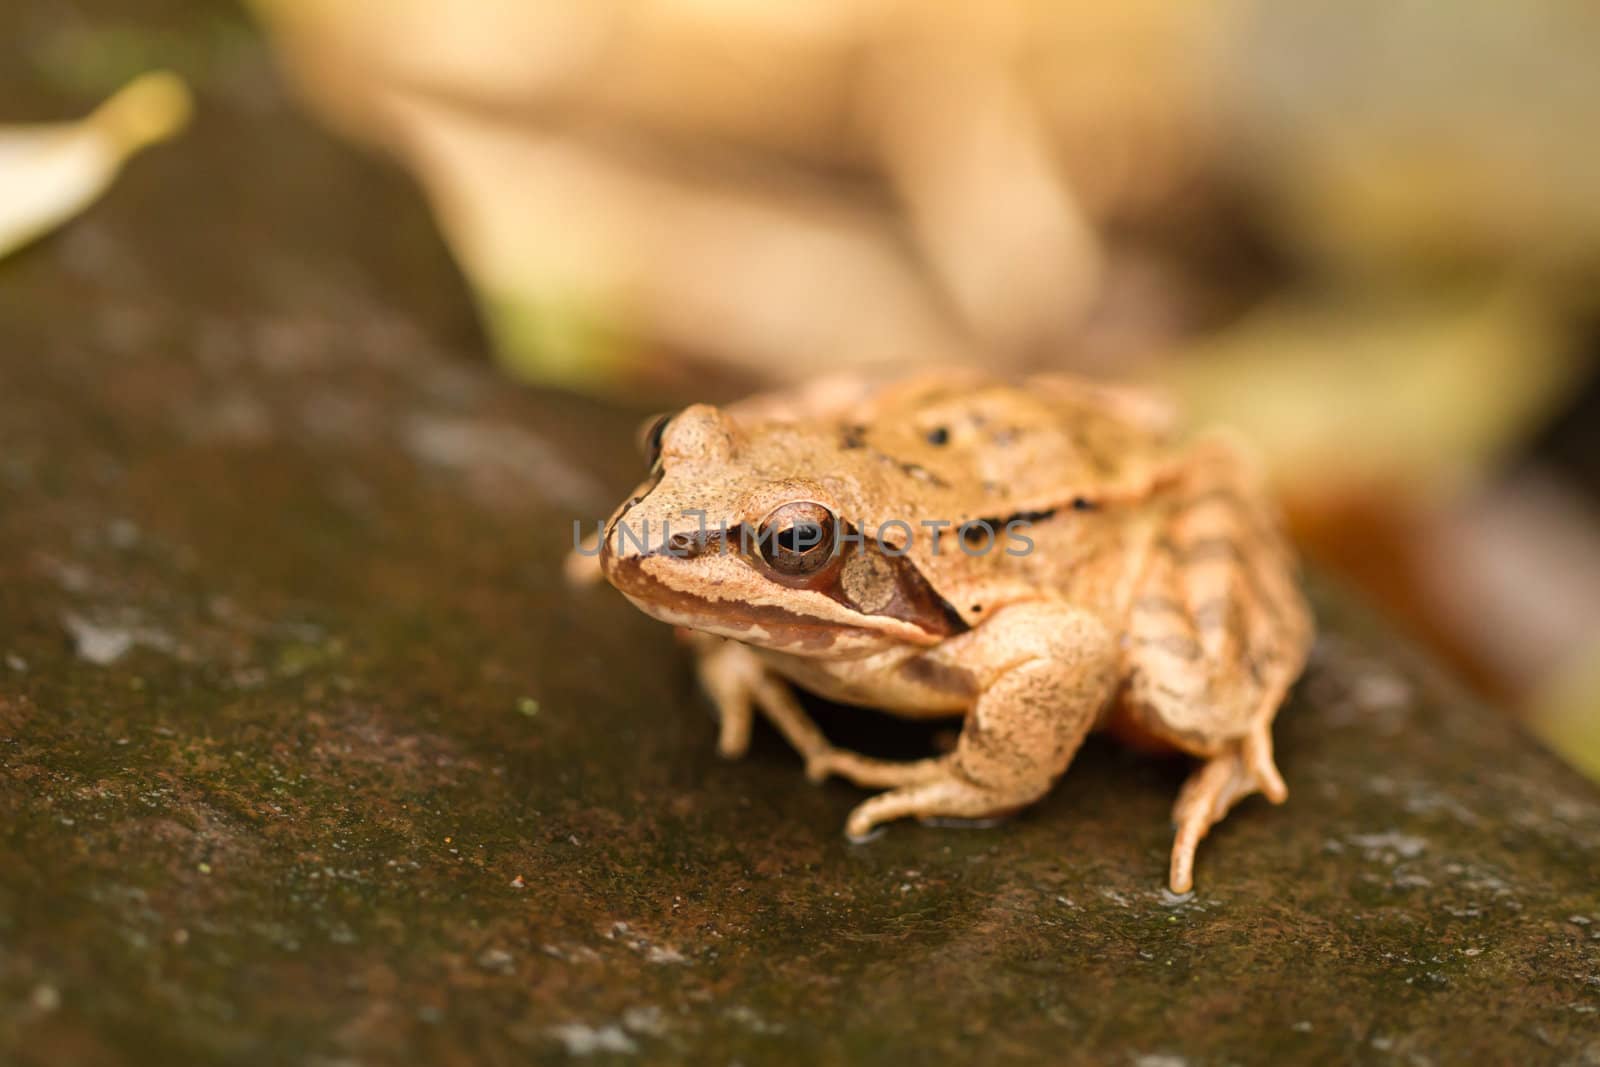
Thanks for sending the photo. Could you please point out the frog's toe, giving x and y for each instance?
(946, 797)
(733, 733)
(875, 773)
(861, 826)
(735, 712)
(820, 766)
(1205, 799)
(1257, 754)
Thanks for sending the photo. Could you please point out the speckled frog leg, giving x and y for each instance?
(1021, 734)
(739, 684)
(1217, 634)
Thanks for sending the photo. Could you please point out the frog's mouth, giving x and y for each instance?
(702, 579)
(766, 625)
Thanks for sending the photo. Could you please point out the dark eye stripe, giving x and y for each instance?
(650, 438)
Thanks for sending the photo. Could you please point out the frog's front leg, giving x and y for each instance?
(738, 683)
(1055, 670)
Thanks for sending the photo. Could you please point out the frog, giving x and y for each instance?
(1040, 558)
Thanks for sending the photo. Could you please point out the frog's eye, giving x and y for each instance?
(650, 434)
(798, 539)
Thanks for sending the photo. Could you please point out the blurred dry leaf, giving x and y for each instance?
(51, 172)
(771, 189)
(1564, 712)
(1393, 142)
(1517, 568)
(1411, 399)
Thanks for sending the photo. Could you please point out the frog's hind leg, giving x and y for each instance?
(1245, 767)
(1218, 632)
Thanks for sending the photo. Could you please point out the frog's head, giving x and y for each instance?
(744, 535)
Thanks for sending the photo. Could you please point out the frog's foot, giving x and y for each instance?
(739, 684)
(1018, 738)
(877, 773)
(944, 797)
(1219, 784)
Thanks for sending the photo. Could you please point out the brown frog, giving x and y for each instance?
(1043, 559)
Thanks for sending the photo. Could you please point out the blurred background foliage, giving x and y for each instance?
(1365, 232)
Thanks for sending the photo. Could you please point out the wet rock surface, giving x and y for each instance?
(308, 756)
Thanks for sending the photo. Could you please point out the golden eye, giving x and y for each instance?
(650, 435)
(798, 539)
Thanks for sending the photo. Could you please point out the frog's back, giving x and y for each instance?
(957, 446)
(991, 449)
